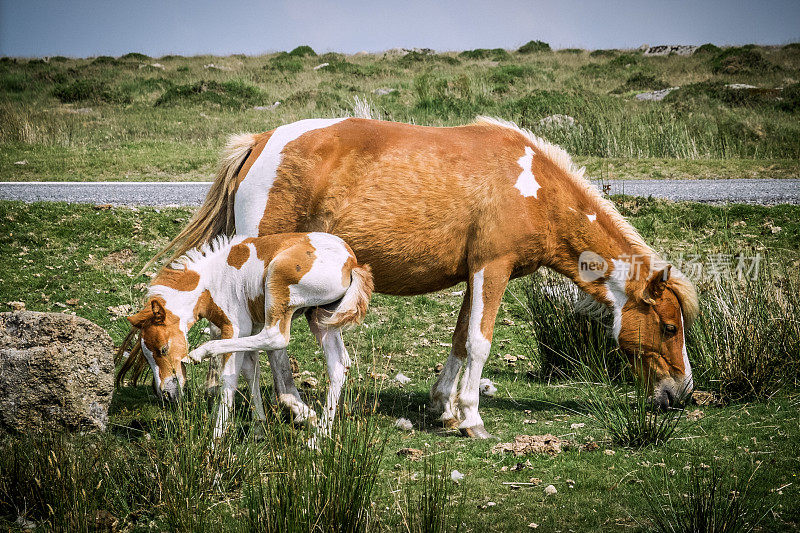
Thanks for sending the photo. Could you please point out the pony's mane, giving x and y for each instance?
(683, 288)
(206, 251)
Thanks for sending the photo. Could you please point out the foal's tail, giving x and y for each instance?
(353, 305)
(215, 217)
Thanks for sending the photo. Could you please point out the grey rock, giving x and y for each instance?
(557, 121)
(384, 91)
(667, 49)
(655, 96)
(56, 372)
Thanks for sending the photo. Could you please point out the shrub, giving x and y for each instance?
(741, 60)
(284, 62)
(414, 57)
(534, 46)
(746, 342)
(790, 98)
(303, 51)
(625, 60)
(14, 82)
(105, 60)
(576, 51)
(136, 56)
(707, 49)
(88, 90)
(604, 53)
(495, 54)
(642, 82)
(58, 59)
(234, 94)
(540, 103)
(506, 74)
(701, 498)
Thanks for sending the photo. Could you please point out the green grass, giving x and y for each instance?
(46, 262)
(166, 118)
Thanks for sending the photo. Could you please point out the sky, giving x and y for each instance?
(84, 28)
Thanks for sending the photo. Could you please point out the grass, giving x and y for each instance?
(135, 117)
(44, 265)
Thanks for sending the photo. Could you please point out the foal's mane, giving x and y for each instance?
(196, 256)
(683, 288)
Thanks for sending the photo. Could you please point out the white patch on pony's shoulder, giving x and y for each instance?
(592, 218)
(253, 192)
(526, 182)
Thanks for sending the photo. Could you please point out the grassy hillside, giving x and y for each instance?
(137, 117)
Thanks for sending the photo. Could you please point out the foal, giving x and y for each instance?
(250, 289)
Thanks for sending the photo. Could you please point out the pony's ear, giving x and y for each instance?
(656, 285)
(141, 317)
(159, 313)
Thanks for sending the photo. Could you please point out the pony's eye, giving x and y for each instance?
(670, 329)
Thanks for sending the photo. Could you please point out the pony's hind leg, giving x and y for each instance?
(251, 371)
(444, 393)
(337, 362)
(285, 389)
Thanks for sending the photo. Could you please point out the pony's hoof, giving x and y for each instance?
(476, 432)
(450, 423)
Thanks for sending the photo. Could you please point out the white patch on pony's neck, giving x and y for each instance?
(688, 380)
(615, 288)
(592, 218)
(253, 192)
(526, 182)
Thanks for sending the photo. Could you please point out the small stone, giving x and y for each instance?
(384, 91)
(16, 306)
(309, 382)
(404, 424)
(412, 454)
(533, 525)
(549, 490)
(487, 388)
(267, 107)
(535, 481)
(402, 379)
(23, 162)
(323, 65)
(576, 425)
(456, 476)
(529, 421)
(655, 96)
(609, 452)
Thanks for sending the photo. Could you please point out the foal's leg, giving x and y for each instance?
(286, 390)
(251, 371)
(214, 367)
(231, 367)
(488, 285)
(337, 361)
(444, 392)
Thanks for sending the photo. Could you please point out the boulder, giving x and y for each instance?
(56, 372)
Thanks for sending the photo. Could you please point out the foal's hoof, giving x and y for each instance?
(476, 432)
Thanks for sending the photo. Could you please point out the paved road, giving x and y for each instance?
(753, 191)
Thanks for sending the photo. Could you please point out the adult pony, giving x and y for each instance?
(431, 207)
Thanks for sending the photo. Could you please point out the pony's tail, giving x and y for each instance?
(215, 217)
(353, 306)
(135, 364)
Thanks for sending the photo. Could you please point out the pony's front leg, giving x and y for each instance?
(488, 285)
(231, 368)
(337, 361)
(214, 367)
(444, 393)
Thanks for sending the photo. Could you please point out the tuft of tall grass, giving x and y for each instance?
(703, 499)
(621, 405)
(566, 335)
(429, 505)
(746, 342)
(325, 487)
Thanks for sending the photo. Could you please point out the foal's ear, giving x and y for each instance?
(656, 285)
(159, 313)
(140, 318)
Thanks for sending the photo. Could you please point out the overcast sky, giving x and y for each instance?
(156, 27)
